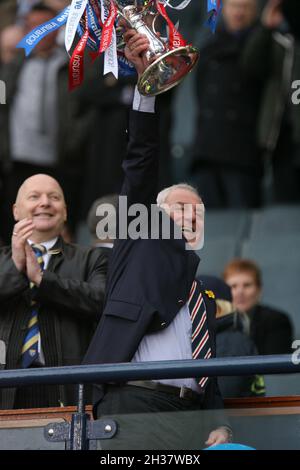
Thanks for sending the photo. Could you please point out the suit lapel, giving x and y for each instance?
(57, 254)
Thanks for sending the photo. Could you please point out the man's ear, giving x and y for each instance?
(15, 212)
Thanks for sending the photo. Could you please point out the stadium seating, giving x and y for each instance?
(281, 220)
(270, 237)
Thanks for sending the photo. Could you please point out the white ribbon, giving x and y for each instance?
(111, 58)
(181, 6)
(110, 55)
(104, 11)
(77, 9)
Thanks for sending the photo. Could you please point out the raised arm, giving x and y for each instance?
(141, 162)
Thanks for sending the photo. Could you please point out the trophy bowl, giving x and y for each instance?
(167, 70)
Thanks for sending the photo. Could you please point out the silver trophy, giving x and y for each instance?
(170, 66)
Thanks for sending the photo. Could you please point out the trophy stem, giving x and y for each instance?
(134, 17)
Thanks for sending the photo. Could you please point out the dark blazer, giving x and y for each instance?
(271, 330)
(71, 296)
(148, 280)
(228, 103)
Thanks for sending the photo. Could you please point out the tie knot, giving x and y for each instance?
(39, 249)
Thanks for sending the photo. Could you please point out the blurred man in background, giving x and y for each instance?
(270, 329)
(43, 128)
(9, 38)
(109, 205)
(226, 166)
(232, 340)
(243, 83)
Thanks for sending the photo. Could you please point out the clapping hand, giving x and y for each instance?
(33, 269)
(22, 253)
(21, 232)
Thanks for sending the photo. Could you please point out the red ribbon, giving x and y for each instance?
(175, 38)
(76, 65)
(95, 6)
(108, 28)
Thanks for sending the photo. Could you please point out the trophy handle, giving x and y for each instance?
(156, 15)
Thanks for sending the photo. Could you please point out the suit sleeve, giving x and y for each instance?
(141, 163)
(80, 298)
(256, 59)
(279, 337)
(12, 281)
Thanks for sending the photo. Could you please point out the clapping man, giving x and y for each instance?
(51, 293)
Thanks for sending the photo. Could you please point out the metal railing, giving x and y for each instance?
(81, 430)
(123, 372)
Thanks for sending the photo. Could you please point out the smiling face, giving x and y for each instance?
(187, 210)
(41, 199)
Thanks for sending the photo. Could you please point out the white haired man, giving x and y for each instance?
(155, 310)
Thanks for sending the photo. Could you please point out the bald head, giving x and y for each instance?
(40, 198)
(40, 180)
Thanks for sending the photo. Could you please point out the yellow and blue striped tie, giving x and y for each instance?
(30, 346)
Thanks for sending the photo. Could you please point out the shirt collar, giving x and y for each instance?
(104, 245)
(48, 244)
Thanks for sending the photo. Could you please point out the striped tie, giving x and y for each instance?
(30, 351)
(200, 336)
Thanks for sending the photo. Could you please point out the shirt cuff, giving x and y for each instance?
(144, 104)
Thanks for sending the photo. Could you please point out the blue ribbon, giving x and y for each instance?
(34, 37)
(126, 68)
(94, 27)
(93, 41)
(214, 7)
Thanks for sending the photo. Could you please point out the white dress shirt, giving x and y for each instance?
(142, 103)
(170, 344)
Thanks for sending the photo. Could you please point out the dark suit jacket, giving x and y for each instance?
(70, 295)
(228, 99)
(148, 280)
(271, 330)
